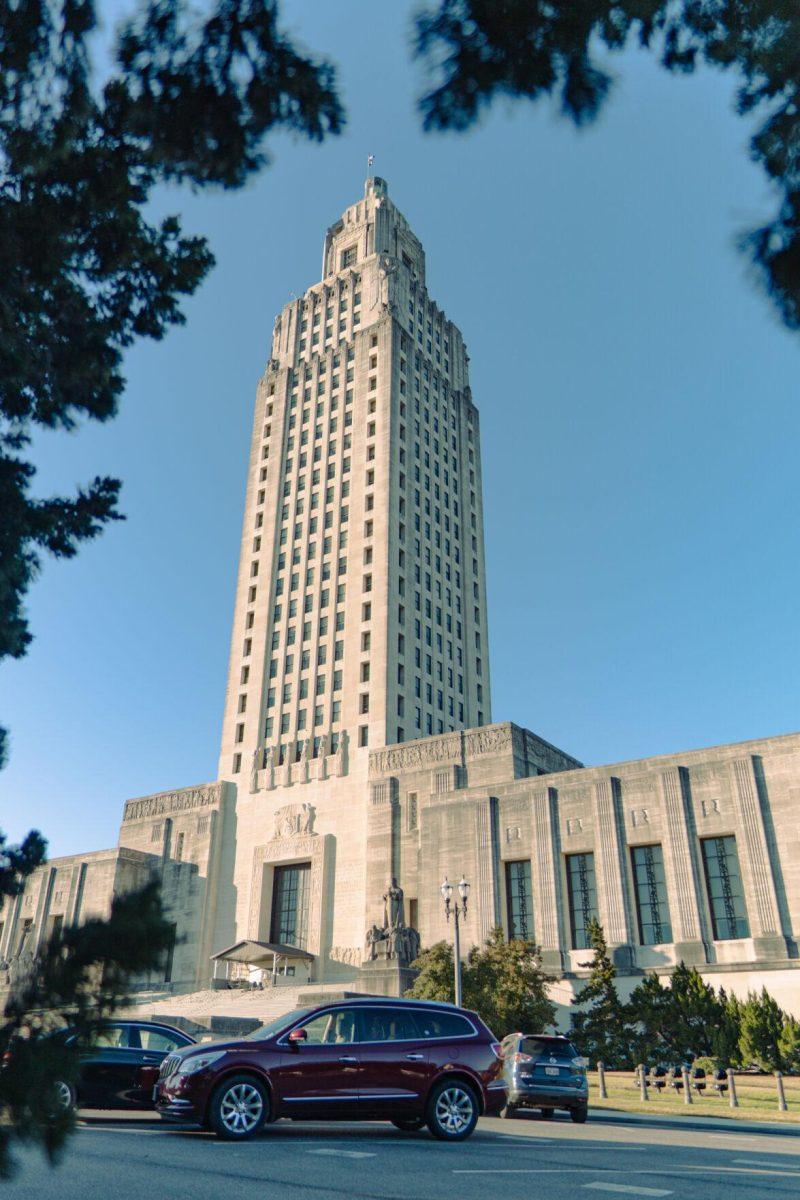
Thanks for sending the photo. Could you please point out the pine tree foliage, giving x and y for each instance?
(479, 51)
(190, 98)
(501, 980)
(762, 1026)
(789, 1045)
(600, 1024)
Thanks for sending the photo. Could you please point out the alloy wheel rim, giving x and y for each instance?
(454, 1109)
(63, 1095)
(241, 1108)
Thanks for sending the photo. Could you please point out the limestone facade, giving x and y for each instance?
(357, 741)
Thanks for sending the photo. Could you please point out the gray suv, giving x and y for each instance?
(544, 1071)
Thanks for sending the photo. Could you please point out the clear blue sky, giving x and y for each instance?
(640, 422)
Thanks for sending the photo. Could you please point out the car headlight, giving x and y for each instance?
(199, 1062)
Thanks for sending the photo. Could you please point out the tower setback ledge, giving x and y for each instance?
(525, 752)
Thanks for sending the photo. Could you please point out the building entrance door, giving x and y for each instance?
(290, 897)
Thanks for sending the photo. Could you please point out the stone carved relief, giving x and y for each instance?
(639, 816)
(294, 820)
(710, 807)
(416, 754)
(513, 833)
(550, 758)
(574, 825)
(350, 955)
(171, 802)
(491, 740)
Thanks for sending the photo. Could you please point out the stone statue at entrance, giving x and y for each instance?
(393, 917)
(395, 940)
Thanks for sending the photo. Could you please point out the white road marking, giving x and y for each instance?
(626, 1189)
(344, 1153)
(756, 1162)
(742, 1137)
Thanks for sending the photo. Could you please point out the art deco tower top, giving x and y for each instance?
(361, 604)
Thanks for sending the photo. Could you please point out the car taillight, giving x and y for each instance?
(7, 1056)
(520, 1057)
(496, 1049)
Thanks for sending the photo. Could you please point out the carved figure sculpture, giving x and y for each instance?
(395, 939)
(393, 916)
(254, 769)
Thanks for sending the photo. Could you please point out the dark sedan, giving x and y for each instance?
(544, 1071)
(110, 1073)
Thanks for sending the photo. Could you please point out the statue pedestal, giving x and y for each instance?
(385, 977)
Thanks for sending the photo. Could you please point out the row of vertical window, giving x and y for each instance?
(723, 882)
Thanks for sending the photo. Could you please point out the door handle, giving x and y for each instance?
(347, 1058)
(415, 1057)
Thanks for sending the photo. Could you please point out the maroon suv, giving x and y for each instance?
(411, 1062)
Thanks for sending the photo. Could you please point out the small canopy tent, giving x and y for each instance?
(271, 958)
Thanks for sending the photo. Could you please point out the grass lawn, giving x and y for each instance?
(757, 1094)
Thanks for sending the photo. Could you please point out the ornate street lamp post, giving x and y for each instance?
(457, 910)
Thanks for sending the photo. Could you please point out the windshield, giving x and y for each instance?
(277, 1025)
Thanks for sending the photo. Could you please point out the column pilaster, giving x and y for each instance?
(763, 913)
(546, 879)
(612, 881)
(684, 900)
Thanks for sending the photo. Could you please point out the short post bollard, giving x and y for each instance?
(733, 1098)
(687, 1087)
(781, 1093)
(601, 1081)
(642, 1069)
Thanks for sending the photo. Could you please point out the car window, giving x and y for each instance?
(276, 1025)
(111, 1037)
(536, 1046)
(334, 1028)
(159, 1040)
(389, 1025)
(443, 1024)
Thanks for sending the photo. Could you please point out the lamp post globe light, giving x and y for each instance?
(457, 910)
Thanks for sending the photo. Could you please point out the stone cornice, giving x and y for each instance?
(163, 804)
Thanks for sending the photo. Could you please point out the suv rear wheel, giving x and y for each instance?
(238, 1108)
(579, 1115)
(452, 1111)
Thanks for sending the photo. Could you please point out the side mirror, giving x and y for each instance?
(296, 1037)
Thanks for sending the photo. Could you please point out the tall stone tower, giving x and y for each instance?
(361, 601)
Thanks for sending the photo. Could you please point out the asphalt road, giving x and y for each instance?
(136, 1160)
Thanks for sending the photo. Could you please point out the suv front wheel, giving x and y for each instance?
(452, 1111)
(238, 1108)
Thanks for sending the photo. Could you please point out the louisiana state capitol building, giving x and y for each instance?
(359, 764)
